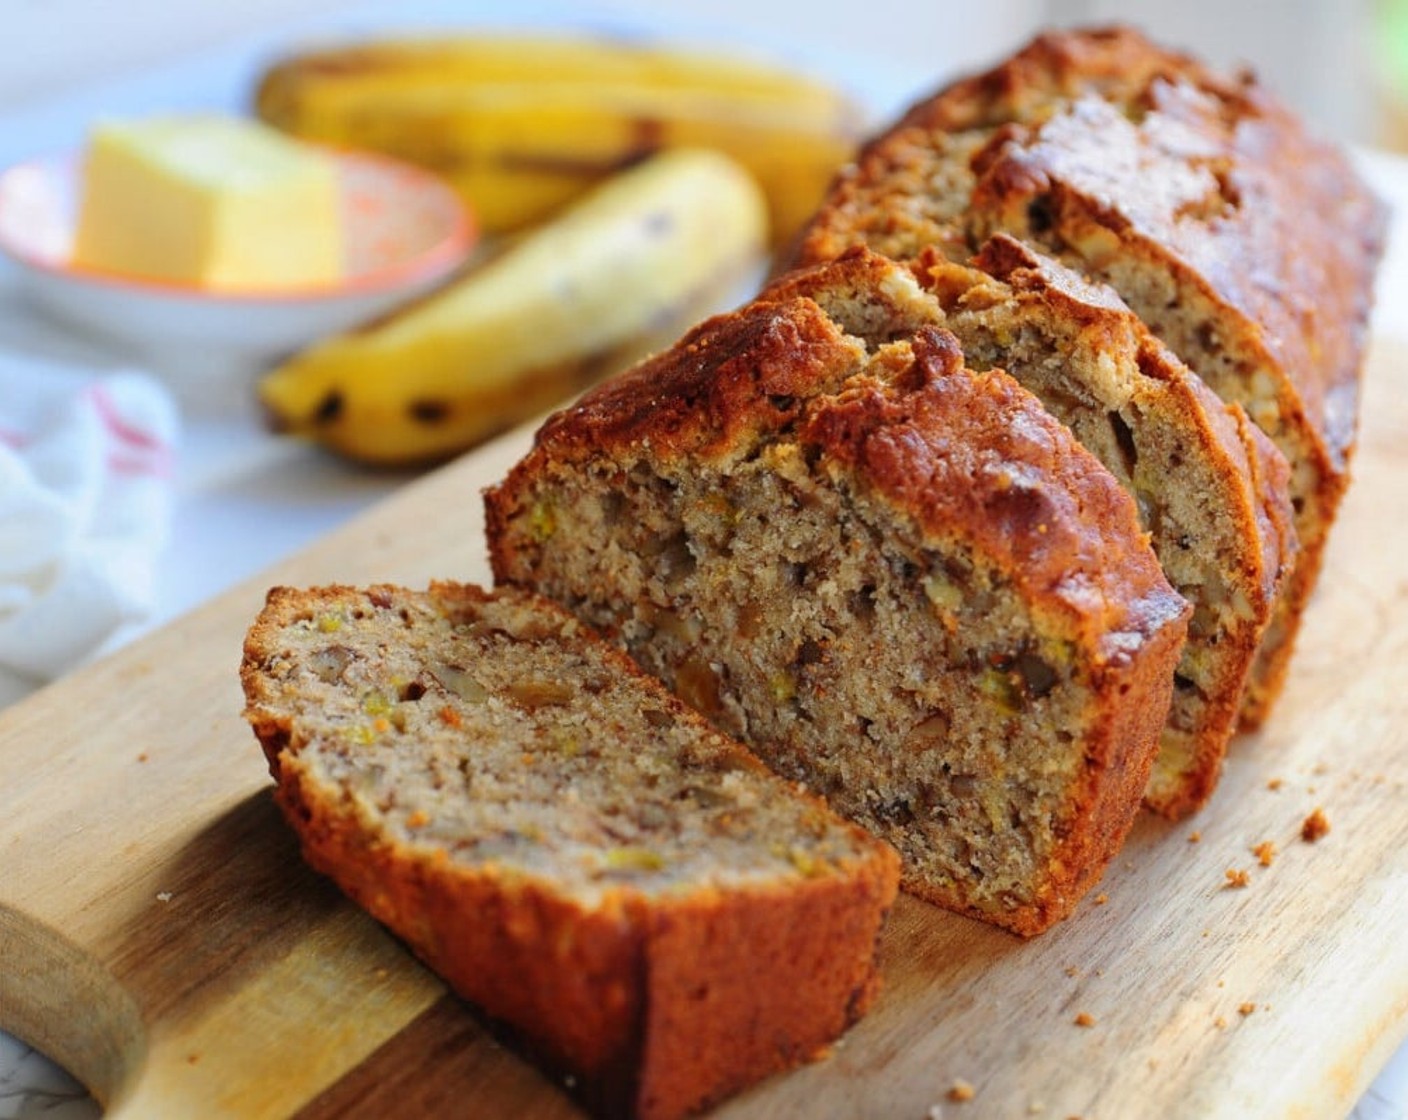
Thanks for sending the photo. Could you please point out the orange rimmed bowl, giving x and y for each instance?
(405, 231)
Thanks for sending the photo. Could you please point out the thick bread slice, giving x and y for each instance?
(633, 894)
(1219, 525)
(1245, 245)
(898, 580)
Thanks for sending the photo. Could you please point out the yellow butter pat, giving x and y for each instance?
(217, 201)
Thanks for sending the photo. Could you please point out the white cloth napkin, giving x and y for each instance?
(85, 511)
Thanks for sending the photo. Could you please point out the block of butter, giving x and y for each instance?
(217, 201)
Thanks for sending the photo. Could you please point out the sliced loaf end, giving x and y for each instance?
(631, 893)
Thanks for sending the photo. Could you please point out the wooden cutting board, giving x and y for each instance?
(159, 934)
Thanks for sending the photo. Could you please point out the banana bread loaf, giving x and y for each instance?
(1246, 246)
(636, 897)
(1210, 488)
(896, 579)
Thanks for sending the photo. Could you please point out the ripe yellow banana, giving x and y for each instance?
(522, 125)
(620, 272)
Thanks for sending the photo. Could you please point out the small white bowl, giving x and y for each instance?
(406, 231)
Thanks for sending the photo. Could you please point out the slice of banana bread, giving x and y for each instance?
(898, 580)
(1219, 525)
(637, 898)
(1246, 246)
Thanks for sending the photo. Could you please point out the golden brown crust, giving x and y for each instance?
(1244, 243)
(1252, 462)
(972, 455)
(657, 1005)
(976, 456)
(643, 1005)
(726, 382)
(957, 451)
(1025, 309)
(1061, 65)
(1213, 177)
(969, 462)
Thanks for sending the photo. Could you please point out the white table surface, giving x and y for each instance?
(246, 498)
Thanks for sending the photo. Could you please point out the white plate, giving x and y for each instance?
(406, 231)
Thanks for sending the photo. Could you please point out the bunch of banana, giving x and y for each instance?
(619, 273)
(522, 125)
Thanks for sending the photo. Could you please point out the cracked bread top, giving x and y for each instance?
(1211, 490)
(898, 579)
(970, 455)
(1097, 143)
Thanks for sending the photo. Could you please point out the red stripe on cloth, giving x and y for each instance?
(118, 426)
(154, 466)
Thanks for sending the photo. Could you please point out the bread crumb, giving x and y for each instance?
(1265, 852)
(1237, 878)
(1084, 1019)
(936, 1112)
(1320, 768)
(192, 1059)
(163, 896)
(419, 818)
(1072, 971)
(1101, 899)
(1195, 836)
(1245, 1009)
(1315, 826)
(1220, 1023)
(1275, 784)
(961, 1090)
(143, 757)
